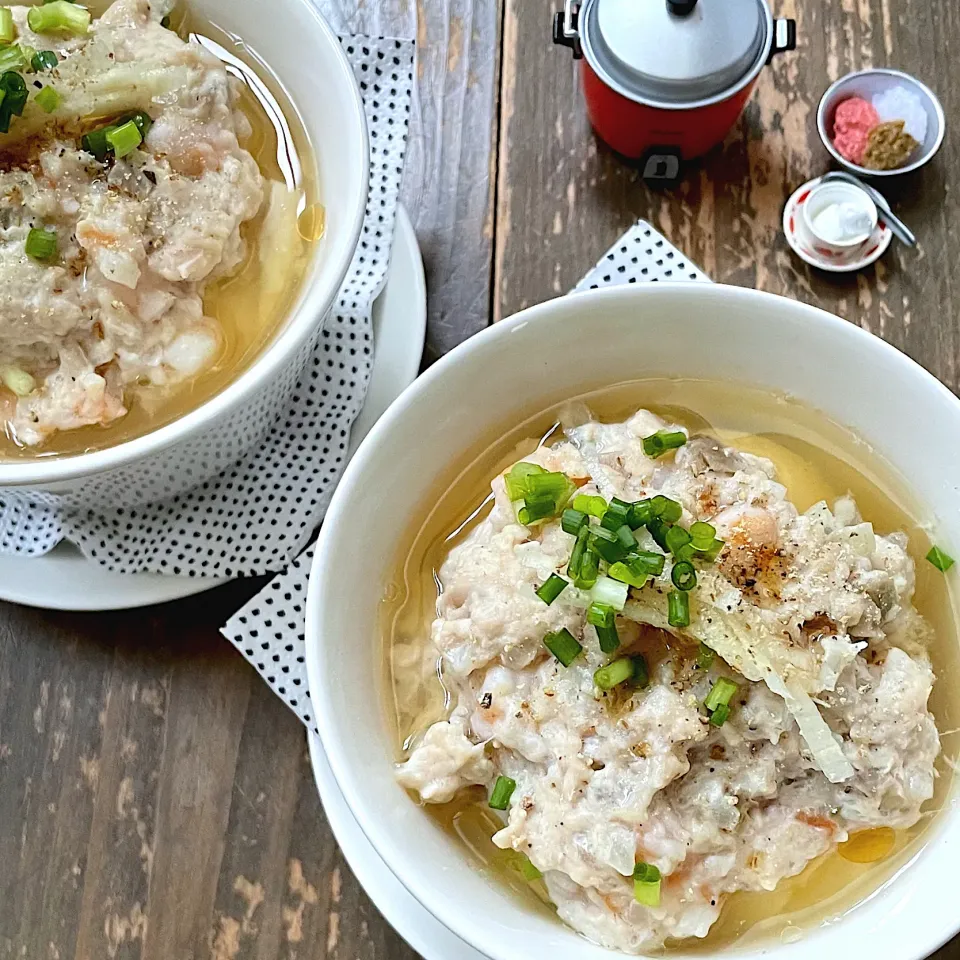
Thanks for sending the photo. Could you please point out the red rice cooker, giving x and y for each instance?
(665, 80)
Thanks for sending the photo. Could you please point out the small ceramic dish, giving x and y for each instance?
(825, 209)
(867, 84)
(824, 256)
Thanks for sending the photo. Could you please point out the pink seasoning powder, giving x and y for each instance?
(852, 123)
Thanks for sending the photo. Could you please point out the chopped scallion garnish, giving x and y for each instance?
(125, 139)
(8, 30)
(528, 871)
(616, 514)
(44, 60)
(641, 513)
(552, 587)
(502, 792)
(720, 716)
(626, 538)
(658, 529)
(721, 693)
(516, 479)
(678, 608)
(702, 534)
(666, 509)
(579, 550)
(705, 657)
(660, 442)
(605, 543)
(677, 538)
(563, 645)
(96, 143)
(683, 575)
(614, 673)
(941, 560)
(59, 16)
(572, 520)
(646, 884)
(12, 58)
(534, 509)
(48, 99)
(589, 571)
(41, 245)
(603, 618)
(585, 503)
(712, 551)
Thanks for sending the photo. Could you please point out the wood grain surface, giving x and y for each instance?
(156, 800)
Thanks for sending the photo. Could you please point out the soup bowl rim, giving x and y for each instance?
(325, 592)
(315, 299)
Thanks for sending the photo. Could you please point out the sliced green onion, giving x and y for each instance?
(12, 58)
(589, 571)
(41, 245)
(572, 520)
(603, 618)
(627, 540)
(646, 884)
(721, 693)
(600, 614)
(666, 509)
(658, 529)
(623, 573)
(711, 552)
(579, 549)
(552, 587)
(720, 716)
(702, 534)
(96, 142)
(8, 31)
(585, 503)
(28, 54)
(533, 510)
(59, 16)
(502, 792)
(614, 673)
(646, 561)
(516, 479)
(553, 485)
(48, 99)
(44, 60)
(678, 608)
(677, 538)
(17, 380)
(611, 592)
(641, 513)
(605, 543)
(705, 657)
(641, 674)
(941, 560)
(683, 575)
(125, 139)
(616, 515)
(165, 22)
(563, 645)
(660, 442)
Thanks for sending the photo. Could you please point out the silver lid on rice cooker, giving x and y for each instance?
(676, 53)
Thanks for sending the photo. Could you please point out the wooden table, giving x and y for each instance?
(156, 800)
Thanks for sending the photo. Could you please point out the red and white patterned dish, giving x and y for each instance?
(808, 248)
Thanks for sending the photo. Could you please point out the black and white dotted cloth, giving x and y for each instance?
(269, 630)
(260, 514)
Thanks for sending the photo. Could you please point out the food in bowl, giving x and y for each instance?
(882, 133)
(677, 666)
(150, 240)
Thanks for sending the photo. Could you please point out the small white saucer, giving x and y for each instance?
(65, 580)
(805, 245)
(427, 935)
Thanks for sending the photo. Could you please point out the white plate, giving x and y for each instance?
(65, 580)
(427, 935)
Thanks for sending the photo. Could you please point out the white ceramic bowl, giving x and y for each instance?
(538, 357)
(305, 56)
(866, 84)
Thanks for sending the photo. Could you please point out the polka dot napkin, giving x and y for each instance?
(256, 517)
(269, 630)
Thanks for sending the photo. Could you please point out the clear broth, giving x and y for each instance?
(245, 331)
(816, 460)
